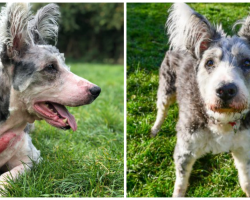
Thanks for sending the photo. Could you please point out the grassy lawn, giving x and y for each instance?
(88, 162)
(150, 166)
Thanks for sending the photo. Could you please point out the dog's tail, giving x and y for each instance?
(166, 94)
(178, 25)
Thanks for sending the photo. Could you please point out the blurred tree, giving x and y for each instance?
(93, 32)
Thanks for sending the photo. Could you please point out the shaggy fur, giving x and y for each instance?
(207, 73)
(35, 84)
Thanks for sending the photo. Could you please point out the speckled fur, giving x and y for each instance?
(33, 75)
(186, 78)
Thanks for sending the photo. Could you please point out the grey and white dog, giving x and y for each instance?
(208, 73)
(35, 83)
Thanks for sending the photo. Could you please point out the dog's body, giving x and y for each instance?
(208, 74)
(35, 83)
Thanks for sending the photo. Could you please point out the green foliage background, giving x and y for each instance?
(92, 32)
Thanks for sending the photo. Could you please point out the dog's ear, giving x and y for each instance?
(44, 26)
(13, 25)
(188, 30)
(245, 28)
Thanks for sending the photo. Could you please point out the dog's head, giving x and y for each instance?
(223, 62)
(42, 83)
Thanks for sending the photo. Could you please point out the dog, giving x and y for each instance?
(208, 74)
(35, 84)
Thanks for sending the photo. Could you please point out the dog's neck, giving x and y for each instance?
(5, 86)
(219, 127)
(231, 123)
(16, 121)
(13, 115)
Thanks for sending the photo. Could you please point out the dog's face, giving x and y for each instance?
(223, 62)
(224, 78)
(42, 83)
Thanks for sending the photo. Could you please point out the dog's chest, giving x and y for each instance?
(221, 139)
(9, 144)
(9, 140)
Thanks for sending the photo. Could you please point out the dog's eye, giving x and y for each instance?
(210, 63)
(50, 68)
(246, 64)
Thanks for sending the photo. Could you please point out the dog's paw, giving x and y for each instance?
(3, 190)
(154, 132)
(179, 193)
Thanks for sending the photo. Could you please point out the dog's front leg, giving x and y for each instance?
(12, 174)
(184, 161)
(242, 163)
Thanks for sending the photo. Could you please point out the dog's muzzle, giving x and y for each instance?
(228, 99)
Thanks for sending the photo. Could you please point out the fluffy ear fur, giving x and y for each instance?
(44, 26)
(13, 25)
(188, 30)
(245, 28)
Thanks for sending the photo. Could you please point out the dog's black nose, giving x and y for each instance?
(95, 91)
(227, 91)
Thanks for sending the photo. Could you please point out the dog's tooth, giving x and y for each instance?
(52, 111)
(65, 120)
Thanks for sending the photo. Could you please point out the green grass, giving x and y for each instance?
(90, 161)
(150, 166)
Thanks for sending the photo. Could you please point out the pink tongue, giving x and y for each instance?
(65, 114)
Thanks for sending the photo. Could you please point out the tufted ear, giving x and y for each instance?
(188, 30)
(245, 28)
(44, 26)
(13, 25)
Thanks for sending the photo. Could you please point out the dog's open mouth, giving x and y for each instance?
(56, 115)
